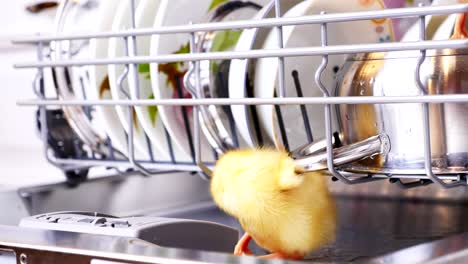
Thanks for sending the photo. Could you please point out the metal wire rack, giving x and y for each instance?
(72, 155)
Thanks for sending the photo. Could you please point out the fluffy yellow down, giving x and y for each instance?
(285, 212)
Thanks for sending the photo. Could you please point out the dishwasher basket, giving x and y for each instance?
(74, 147)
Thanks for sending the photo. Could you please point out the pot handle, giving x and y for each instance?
(317, 160)
(459, 31)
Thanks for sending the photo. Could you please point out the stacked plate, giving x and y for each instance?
(164, 133)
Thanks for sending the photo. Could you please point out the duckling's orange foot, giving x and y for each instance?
(280, 256)
(242, 247)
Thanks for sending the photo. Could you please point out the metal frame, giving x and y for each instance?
(278, 22)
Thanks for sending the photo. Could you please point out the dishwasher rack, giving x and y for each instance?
(75, 158)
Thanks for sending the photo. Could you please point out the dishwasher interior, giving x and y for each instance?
(397, 200)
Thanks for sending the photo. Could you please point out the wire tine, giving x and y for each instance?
(124, 74)
(185, 117)
(284, 136)
(281, 90)
(111, 147)
(169, 145)
(232, 125)
(256, 124)
(40, 93)
(132, 14)
(132, 69)
(328, 116)
(87, 108)
(279, 32)
(131, 145)
(132, 72)
(426, 117)
(258, 53)
(305, 115)
(150, 147)
(447, 98)
(205, 173)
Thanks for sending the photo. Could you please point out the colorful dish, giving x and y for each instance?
(356, 32)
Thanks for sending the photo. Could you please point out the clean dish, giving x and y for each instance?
(241, 76)
(149, 116)
(72, 82)
(216, 121)
(309, 35)
(99, 82)
(116, 48)
(167, 79)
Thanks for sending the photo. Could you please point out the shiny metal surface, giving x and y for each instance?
(374, 219)
(442, 251)
(443, 72)
(367, 229)
(211, 81)
(253, 54)
(368, 148)
(68, 247)
(125, 195)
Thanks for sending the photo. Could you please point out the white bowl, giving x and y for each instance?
(356, 32)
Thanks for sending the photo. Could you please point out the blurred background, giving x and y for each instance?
(21, 155)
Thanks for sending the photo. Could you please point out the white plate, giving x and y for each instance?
(176, 12)
(241, 73)
(356, 32)
(116, 49)
(148, 116)
(98, 74)
(215, 74)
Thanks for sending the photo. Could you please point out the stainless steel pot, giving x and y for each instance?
(392, 74)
